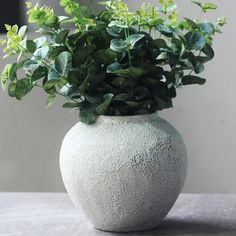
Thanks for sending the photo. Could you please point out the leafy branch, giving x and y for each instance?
(113, 63)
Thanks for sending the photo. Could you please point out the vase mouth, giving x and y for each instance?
(132, 119)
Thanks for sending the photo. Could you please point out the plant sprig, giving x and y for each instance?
(112, 64)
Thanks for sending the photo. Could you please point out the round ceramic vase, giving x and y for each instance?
(125, 173)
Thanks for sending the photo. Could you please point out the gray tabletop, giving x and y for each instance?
(53, 214)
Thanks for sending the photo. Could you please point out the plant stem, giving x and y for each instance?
(200, 16)
(58, 93)
(49, 65)
(165, 9)
(54, 32)
(129, 52)
(66, 41)
(190, 72)
(150, 30)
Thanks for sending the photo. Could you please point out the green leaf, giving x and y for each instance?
(30, 65)
(45, 31)
(177, 46)
(106, 3)
(208, 51)
(50, 99)
(22, 31)
(61, 37)
(41, 53)
(191, 79)
(84, 12)
(53, 75)
(49, 86)
(5, 76)
(163, 56)
(162, 96)
(221, 21)
(141, 93)
(171, 8)
(62, 18)
(134, 38)
(166, 30)
(22, 88)
(209, 6)
(66, 90)
(93, 98)
(88, 117)
(83, 86)
(163, 103)
(202, 59)
(122, 97)
(118, 24)
(82, 54)
(30, 46)
(114, 31)
(12, 89)
(177, 79)
(207, 28)
(56, 50)
(118, 81)
(119, 45)
(192, 24)
(197, 3)
(63, 63)
(132, 104)
(133, 72)
(70, 105)
(199, 67)
(102, 108)
(195, 40)
(159, 43)
(39, 73)
(167, 6)
(40, 42)
(105, 56)
(13, 72)
(113, 67)
(88, 113)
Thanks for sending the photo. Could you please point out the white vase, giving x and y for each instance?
(125, 173)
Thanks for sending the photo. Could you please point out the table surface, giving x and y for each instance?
(53, 214)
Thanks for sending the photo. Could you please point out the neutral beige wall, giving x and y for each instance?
(30, 135)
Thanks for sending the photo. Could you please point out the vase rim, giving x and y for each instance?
(134, 118)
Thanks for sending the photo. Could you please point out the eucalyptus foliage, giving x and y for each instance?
(116, 62)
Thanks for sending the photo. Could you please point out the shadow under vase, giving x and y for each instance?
(177, 226)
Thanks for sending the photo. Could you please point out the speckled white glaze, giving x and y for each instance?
(125, 173)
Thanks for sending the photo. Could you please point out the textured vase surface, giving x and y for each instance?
(124, 173)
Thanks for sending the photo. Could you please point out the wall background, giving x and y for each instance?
(30, 135)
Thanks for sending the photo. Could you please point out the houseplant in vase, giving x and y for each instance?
(121, 163)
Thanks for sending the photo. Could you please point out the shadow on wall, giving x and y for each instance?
(14, 12)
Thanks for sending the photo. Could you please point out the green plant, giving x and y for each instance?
(116, 62)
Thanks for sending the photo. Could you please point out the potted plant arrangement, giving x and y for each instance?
(121, 163)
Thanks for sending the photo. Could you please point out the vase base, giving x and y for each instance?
(128, 230)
